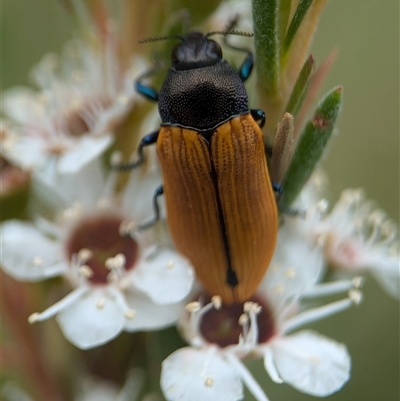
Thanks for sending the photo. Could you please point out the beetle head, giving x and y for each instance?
(195, 50)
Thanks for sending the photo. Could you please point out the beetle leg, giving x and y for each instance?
(258, 115)
(278, 190)
(157, 193)
(147, 140)
(247, 65)
(284, 209)
(148, 92)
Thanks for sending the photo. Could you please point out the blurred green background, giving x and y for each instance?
(365, 153)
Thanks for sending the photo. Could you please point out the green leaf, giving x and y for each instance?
(298, 17)
(300, 87)
(311, 145)
(265, 21)
(284, 14)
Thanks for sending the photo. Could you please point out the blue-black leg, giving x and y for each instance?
(247, 65)
(158, 192)
(147, 140)
(258, 115)
(148, 92)
(278, 190)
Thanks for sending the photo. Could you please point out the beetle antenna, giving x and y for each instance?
(230, 32)
(159, 38)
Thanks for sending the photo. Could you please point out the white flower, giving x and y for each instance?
(93, 389)
(357, 237)
(229, 10)
(83, 96)
(220, 336)
(120, 282)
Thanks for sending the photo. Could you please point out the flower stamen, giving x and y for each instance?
(327, 289)
(197, 312)
(58, 306)
(129, 313)
(209, 382)
(248, 321)
(247, 378)
(116, 265)
(311, 315)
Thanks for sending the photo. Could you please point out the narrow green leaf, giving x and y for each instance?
(311, 145)
(284, 13)
(265, 21)
(295, 23)
(300, 87)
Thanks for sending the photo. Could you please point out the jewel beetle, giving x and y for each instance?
(220, 202)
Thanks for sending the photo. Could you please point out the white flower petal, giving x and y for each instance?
(86, 186)
(312, 363)
(138, 195)
(84, 151)
(27, 254)
(91, 321)
(150, 316)
(297, 264)
(98, 390)
(164, 275)
(270, 365)
(25, 152)
(189, 374)
(21, 104)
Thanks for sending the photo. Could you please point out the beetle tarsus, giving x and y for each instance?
(277, 188)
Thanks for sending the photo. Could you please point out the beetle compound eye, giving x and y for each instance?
(214, 49)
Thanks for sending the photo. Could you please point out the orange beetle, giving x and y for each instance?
(221, 207)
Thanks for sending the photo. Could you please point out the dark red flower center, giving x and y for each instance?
(100, 235)
(222, 326)
(74, 122)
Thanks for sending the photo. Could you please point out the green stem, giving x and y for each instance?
(265, 20)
